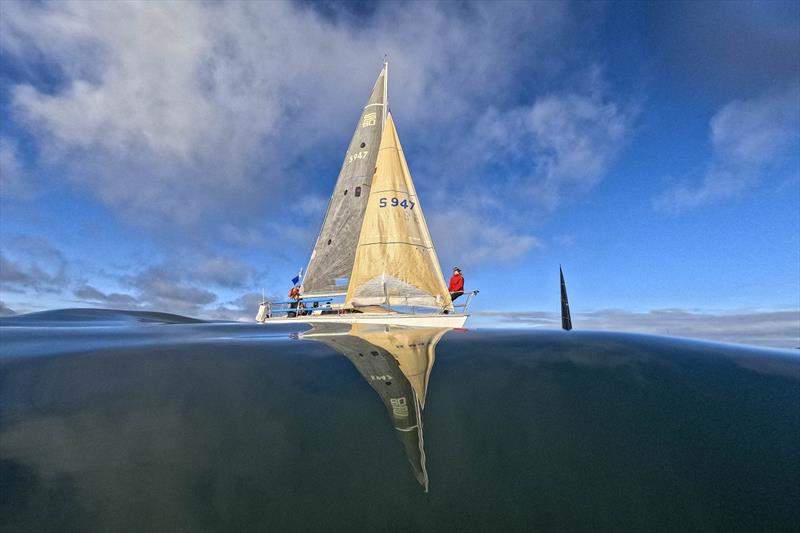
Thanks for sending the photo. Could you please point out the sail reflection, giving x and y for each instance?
(397, 363)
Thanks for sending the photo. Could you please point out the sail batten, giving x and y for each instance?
(398, 242)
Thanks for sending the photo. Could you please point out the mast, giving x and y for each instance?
(566, 319)
(385, 91)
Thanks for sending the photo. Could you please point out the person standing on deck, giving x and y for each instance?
(294, 294)
(456, 284)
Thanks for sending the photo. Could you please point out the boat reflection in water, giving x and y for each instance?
(396, 362)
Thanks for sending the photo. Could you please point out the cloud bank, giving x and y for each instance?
(199, 124)
(202, 114)
(747, 137)
(778, 329)
(567, 140)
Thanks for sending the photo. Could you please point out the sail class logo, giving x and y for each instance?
(399, 407)
(369, 120)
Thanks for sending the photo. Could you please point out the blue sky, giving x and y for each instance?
(179, 156)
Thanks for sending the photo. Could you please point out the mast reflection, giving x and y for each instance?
(396, 362)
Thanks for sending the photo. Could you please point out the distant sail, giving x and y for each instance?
(331, 260)
(395, 263)
(566, 319)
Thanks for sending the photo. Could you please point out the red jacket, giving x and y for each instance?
(457, 283)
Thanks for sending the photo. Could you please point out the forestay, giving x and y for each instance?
(395, 261)
(331, 260)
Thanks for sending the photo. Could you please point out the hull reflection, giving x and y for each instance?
(397, 363)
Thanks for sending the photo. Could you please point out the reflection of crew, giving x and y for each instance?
(456, 284)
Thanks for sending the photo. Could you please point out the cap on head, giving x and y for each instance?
(457, 269)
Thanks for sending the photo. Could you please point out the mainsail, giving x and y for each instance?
(331, 260)
(395, 261)
(566, 319)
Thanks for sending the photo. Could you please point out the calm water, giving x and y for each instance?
(123, 422)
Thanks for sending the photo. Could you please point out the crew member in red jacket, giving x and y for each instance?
(456, 284)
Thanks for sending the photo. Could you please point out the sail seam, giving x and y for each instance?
(394, 190)
(396, 242)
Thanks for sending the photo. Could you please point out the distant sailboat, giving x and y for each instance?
(566, 319)
(374, 248)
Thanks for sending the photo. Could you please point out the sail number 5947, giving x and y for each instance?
(396, 202)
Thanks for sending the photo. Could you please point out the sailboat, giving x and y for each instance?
(566, 318)
(397, 364)
(374, 249)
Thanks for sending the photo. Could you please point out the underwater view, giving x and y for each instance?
(136, 421)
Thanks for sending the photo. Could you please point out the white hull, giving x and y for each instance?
(420, 320)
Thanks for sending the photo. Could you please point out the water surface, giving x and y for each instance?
(115, 421)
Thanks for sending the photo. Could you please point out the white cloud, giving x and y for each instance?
(562, 141)
(218, 270)
(115, 299)
(576, 137)
(32, 265)
(242, 309)
(469, 239)
(12, 178)
(778, 328)
(310, 204)
(183, 112)
(747, 136)
(187, 282)
(162, 288)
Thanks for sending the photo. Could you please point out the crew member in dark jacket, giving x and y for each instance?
(294, 295)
